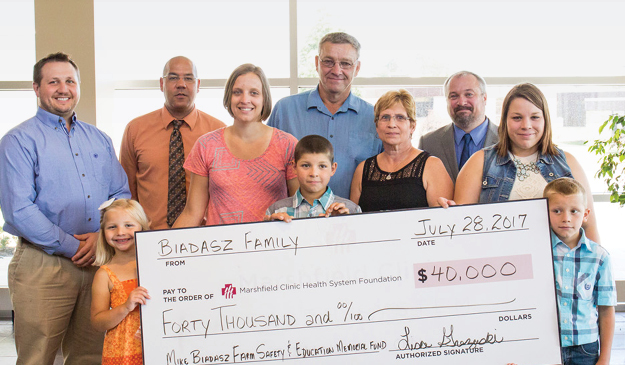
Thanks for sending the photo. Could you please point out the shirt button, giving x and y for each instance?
(567, 270)
(88, 196)
(76, 154)
(564, 303)
(332, 135)
(551, 174)
(89, 220)
(332, 118)
(83, 175)
(566, 287)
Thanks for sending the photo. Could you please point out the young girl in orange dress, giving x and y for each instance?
(115, 294)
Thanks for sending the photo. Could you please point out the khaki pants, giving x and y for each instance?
(52, 302)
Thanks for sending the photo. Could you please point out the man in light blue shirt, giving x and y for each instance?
(55, 171)
(332, 111)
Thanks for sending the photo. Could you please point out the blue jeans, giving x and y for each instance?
(586, 354)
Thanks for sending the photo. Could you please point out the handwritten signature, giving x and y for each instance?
(448, 340)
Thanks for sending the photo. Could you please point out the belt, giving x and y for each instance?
(26, 241)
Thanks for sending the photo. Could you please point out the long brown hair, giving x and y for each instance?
(532, 94)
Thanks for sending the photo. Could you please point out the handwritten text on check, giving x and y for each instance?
(470, 284)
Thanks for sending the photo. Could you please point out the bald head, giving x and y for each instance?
(178, 59)
(180, 86)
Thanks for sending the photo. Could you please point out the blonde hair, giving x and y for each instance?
(565, 186)
(390, 98)
(104, 252)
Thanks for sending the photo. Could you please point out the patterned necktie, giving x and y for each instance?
(176, 194)
(464, 156)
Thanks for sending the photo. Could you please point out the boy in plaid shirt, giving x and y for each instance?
(584, 282)
(314, 165)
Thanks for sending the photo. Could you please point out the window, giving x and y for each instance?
(493, 39)
(17, 40)
(573, 52)
(209, 33)
(17, 101)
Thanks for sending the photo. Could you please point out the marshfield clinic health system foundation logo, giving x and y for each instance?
(229, 291)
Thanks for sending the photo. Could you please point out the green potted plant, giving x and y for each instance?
(611, 152)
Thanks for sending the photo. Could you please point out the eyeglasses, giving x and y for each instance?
(344, 65)
(176, 78)
(399, 118)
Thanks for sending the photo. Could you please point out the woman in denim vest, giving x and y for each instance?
(524, 160)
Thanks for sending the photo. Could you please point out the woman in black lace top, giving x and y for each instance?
(402, 176)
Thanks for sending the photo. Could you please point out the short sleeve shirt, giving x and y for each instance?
(241, 190)
(351, 130)
(583, 281)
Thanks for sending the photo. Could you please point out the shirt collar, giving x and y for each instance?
(478, 134)
(324, 200)
(314, 101)
(583, 241)
(53, 120)
(190, 119)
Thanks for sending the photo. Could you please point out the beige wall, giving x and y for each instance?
(67, 26)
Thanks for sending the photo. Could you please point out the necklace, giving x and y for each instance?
(389, 175)
(522, 169)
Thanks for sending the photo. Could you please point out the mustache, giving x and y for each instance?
(459, 108)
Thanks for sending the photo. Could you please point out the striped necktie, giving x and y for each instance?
(176, 193)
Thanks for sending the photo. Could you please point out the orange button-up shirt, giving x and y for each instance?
(144, 155)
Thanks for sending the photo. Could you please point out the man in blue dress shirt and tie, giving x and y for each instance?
(55, 171)
(470, 131)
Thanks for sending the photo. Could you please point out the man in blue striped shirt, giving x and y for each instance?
(584, 282)
(55, 171)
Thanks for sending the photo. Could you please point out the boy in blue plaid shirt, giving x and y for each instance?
(584, 282)
(314, 165)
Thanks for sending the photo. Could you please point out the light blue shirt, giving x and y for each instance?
(52, 181)
(583, 281)
(298, 207)
(478, 136)
(351, 130)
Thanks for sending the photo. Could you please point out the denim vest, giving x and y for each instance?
(500, 173)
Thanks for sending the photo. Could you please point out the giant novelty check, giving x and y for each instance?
(464, 285)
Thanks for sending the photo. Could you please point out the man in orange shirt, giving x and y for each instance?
(155, 145)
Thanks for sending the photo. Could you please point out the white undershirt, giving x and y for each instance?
(533, 183)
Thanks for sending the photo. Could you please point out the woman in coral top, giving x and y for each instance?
(240, 170)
